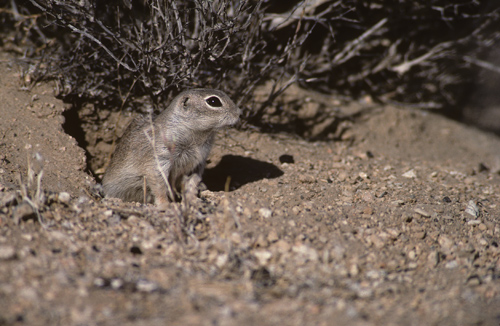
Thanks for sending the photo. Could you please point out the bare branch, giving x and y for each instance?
(434, 52)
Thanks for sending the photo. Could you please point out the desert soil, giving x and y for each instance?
(394, 223)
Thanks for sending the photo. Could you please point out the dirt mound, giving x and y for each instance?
(396, 223)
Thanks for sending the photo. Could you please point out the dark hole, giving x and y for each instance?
(446, 199)
(482, 167)
(73, 126)
(285, 158)
(262, 277)
(136, 250)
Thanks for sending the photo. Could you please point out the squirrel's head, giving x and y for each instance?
(204, 109)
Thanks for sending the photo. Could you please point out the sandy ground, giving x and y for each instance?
(396, 223)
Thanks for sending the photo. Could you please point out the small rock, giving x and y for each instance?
(482, 227)
(306, 178)
(422, 212)
(23, 212)
(445, 243)
(377, 241)
(410, 174)
(99, 282)
(472, 209)
(265, 212)
(368, 211)
(306, 252)
(412, 265)
(373, 274)
(469, 180)
(272, 236)
(263, 256)
(116, 283)
(236, 238)
(261, 242)
(419, 235)
(64, 197)
(365, 292)
(7, 252)
(483, 242)
(363, 175)
(368, 196)
(146, 286)
(282, 246)
(397, 203)
(221, 260)
(7, 199)
(247, 213)
(393, 233)
(433, 259)
(342, 176)
(107, 213)
(354, 270)
(474, 280)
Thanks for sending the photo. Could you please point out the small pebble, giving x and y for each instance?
(419, 235)
(8, 199)
(116, 283)
(433, 259)
(368, 211)
(472, 209)
(64, 197)
(7, 252)
(272, 236)
(265, 212)
(422, 212)
(22, 212)
(146, 286)
(306, 178)
(282, 246)
(410, 174)
(474, 280)
(397, 203)
(263, 256)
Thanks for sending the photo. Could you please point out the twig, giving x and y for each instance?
(352, 47)
(407, 65)
(152, 141)
(482, 64)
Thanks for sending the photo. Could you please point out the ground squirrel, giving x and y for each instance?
(173, 146)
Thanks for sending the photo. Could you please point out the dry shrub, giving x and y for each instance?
(422, 53)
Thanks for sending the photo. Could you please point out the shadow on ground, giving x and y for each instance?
(241, 170)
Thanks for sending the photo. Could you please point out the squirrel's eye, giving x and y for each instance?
(214, 101)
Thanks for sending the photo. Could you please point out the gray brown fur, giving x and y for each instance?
(182, 134)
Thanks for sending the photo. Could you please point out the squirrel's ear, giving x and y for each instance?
(185, 102)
